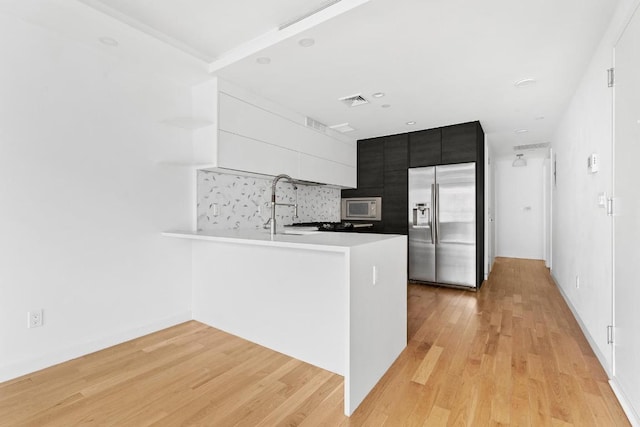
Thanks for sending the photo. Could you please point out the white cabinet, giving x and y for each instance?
(317, 169)
(254, 135)
(241, 153)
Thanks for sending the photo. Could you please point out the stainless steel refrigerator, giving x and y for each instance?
(442, 224)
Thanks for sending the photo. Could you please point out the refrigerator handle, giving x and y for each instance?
(433, 213)
(436, 213)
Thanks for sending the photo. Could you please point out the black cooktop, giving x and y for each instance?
(333, 226)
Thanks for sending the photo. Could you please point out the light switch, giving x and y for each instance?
(602, 200)
(593, 163)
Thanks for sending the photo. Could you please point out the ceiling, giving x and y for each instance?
(438, 62)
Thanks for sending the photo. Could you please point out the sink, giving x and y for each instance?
(294, 232)
(298, 232)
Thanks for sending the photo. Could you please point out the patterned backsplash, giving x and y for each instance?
(244, 202)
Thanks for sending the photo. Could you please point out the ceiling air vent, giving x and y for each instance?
(354, 100)
(530, 146)
(343, 128)
(311, 123)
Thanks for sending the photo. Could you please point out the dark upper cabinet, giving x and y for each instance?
(396, 152)
(371, 163)
(362, 192)
(394, 202)
(425, 148)
(383, 164)
(460, 143)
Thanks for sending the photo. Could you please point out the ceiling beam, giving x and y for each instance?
(277, 35)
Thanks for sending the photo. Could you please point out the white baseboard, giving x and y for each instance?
(634, 419)
(626, 407)
(601, 357)
(24, 367)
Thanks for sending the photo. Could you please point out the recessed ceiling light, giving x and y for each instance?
(385, 105)
(109, 41)
(378, 95)
(306, 42)
(263, 60)
(525, 82)
(522, 131)
(411, 123)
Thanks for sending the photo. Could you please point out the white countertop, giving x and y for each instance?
(321, 240)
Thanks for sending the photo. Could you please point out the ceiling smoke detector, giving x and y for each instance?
(354, 100)
(530, 146)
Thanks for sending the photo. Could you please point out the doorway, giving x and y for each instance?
(519, 207)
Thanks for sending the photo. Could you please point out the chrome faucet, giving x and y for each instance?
(272, 220)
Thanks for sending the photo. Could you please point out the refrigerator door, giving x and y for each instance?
(422, 250)
(456, 224)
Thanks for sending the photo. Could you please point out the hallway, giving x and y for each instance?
(511, 354)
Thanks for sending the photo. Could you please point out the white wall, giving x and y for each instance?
(582, 230)
(82, 200)
(519, 209)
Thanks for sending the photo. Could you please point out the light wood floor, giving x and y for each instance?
(511, 354)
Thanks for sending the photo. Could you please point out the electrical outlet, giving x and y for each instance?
(577, 282)
(34, 319)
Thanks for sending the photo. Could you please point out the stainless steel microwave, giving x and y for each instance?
(362, 208)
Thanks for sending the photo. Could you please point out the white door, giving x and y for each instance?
(626, 221)
(519, 208)
(546, 214)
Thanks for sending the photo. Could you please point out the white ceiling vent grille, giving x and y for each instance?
(343, 128)
(530, 146)
(354, 100)
(309, 122)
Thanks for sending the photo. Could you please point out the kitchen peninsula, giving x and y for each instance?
(334, 300)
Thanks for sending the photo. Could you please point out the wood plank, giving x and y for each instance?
(510, 354)
(428, 364)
